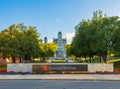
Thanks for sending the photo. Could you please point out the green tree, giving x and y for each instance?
(29, 43)
(68, 50)
(94, 37)
(8, 42)
(19, 41)
(48, 49)
(116, 39)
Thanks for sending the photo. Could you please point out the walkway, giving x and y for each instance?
(94, 77)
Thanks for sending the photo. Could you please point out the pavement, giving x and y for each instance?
(88, 77)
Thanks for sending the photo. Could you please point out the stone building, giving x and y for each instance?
(61, 51)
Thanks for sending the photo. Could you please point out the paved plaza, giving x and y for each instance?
(93, 77)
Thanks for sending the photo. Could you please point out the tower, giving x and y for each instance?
(45, 39)
(59, 35)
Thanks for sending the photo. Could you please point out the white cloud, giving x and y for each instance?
(69, 36)
(50, 40)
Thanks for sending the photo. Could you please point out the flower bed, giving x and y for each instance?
(3, 70)
(58, 72)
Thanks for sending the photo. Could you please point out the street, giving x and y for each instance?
(58, 84)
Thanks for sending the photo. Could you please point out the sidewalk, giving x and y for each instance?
(93, 77)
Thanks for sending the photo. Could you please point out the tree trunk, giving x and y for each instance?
(90, 59)
(30, 60)
(13, 59)
(104, 58)
(20, 60)
(85, 60)
(44, 58)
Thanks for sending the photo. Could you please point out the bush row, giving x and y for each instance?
(4, 71)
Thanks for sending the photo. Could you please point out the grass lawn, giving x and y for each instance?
(113, 60)
(58, 61)
(116, 63)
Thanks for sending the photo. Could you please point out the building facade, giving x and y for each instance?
(61, 51)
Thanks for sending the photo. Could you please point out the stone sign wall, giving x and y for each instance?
(32, 67)
(92, 67)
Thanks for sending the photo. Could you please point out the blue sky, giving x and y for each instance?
(52, 16)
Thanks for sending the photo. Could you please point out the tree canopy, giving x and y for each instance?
(47, 50)
(94, 36)
(19, 41)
